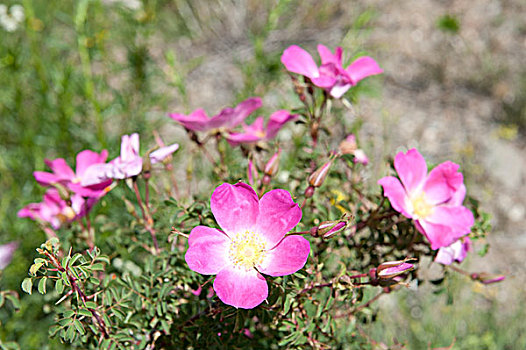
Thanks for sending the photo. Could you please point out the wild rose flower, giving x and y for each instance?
(433, 201)
(257, 132)
(55, 210)
(75, 181)
(457, 251)
(331, 75)
(6, 253)
(252, 240)
(228, 118)
(129, 163)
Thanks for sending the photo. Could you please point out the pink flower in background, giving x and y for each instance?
(252, 240)
(129, 163)
(6, 253)
(55, 210)
(433, 201)
(349, 146)
(258, 132)
(86, 162)
(331, 75)
(457, 251)
(228, 118)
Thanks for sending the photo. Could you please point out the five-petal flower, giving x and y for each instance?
(258, 132)
(433, 201)
(228, 118)
(331, 75)
(252, 241)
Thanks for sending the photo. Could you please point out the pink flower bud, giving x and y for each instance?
(317, 178)
(487, 278)
(309, 192)
(391, 269)
(327, 229)
(272, 166)
(252, 172)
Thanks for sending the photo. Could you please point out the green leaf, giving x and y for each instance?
(35, 267)
(59, 286)
(84, 312)
(91, 305)
(448, 23)
(97, 267)
(42, 285)
(27, 285)
(13, 298)
(79, 327)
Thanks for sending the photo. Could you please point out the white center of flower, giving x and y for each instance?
(421, 207)
(247, 250)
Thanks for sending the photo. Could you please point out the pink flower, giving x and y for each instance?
(457, 251)
(6, 253)
(129, 163)
(433, 201)
(75, 181)
(257, 132)
(228, 118)
(252, 239)
(331, 75)
(55, 210)
(349, 146)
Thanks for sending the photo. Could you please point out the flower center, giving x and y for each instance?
(421, 207)
(247, 250)
(67, 214)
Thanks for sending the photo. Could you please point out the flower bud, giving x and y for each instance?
(252, 172)
(317, 178)
(391, 269)
(309, 192)
(146, 166)
(487, 278)
(272, 166)
(327, 229)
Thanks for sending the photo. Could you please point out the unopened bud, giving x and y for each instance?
(62, 191)
(391, 269)
(327, 229)
(309, 192)
(272, 166)
(130, 207)
(317, 178)
(487, 278)
(252, 172)
(146, 166)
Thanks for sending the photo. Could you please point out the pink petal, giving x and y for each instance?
(234, 139)
(129, 147)
(460, 219)
(278, 214)
(276, 122)
(289, 256)
(362, 68)
(60, 168)
(396, 193)
(338, 90)
(458, 197)
(208, 250)
(325, 82)
(437, 234)
(97, 174)
(456, 251)
(240, 288)
(196, 121)
(412, 170)
(235, 207)
(297, 60)
(163, 152)
(6, 253)
(46, 179)
(87, 158)
(231, 117)
(442, 182)
(328, 57)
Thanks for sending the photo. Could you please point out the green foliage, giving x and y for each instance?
(449, 24)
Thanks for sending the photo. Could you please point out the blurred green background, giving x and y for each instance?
(79, 74)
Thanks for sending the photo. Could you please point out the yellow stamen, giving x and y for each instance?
(247, 250)
(421, 207)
